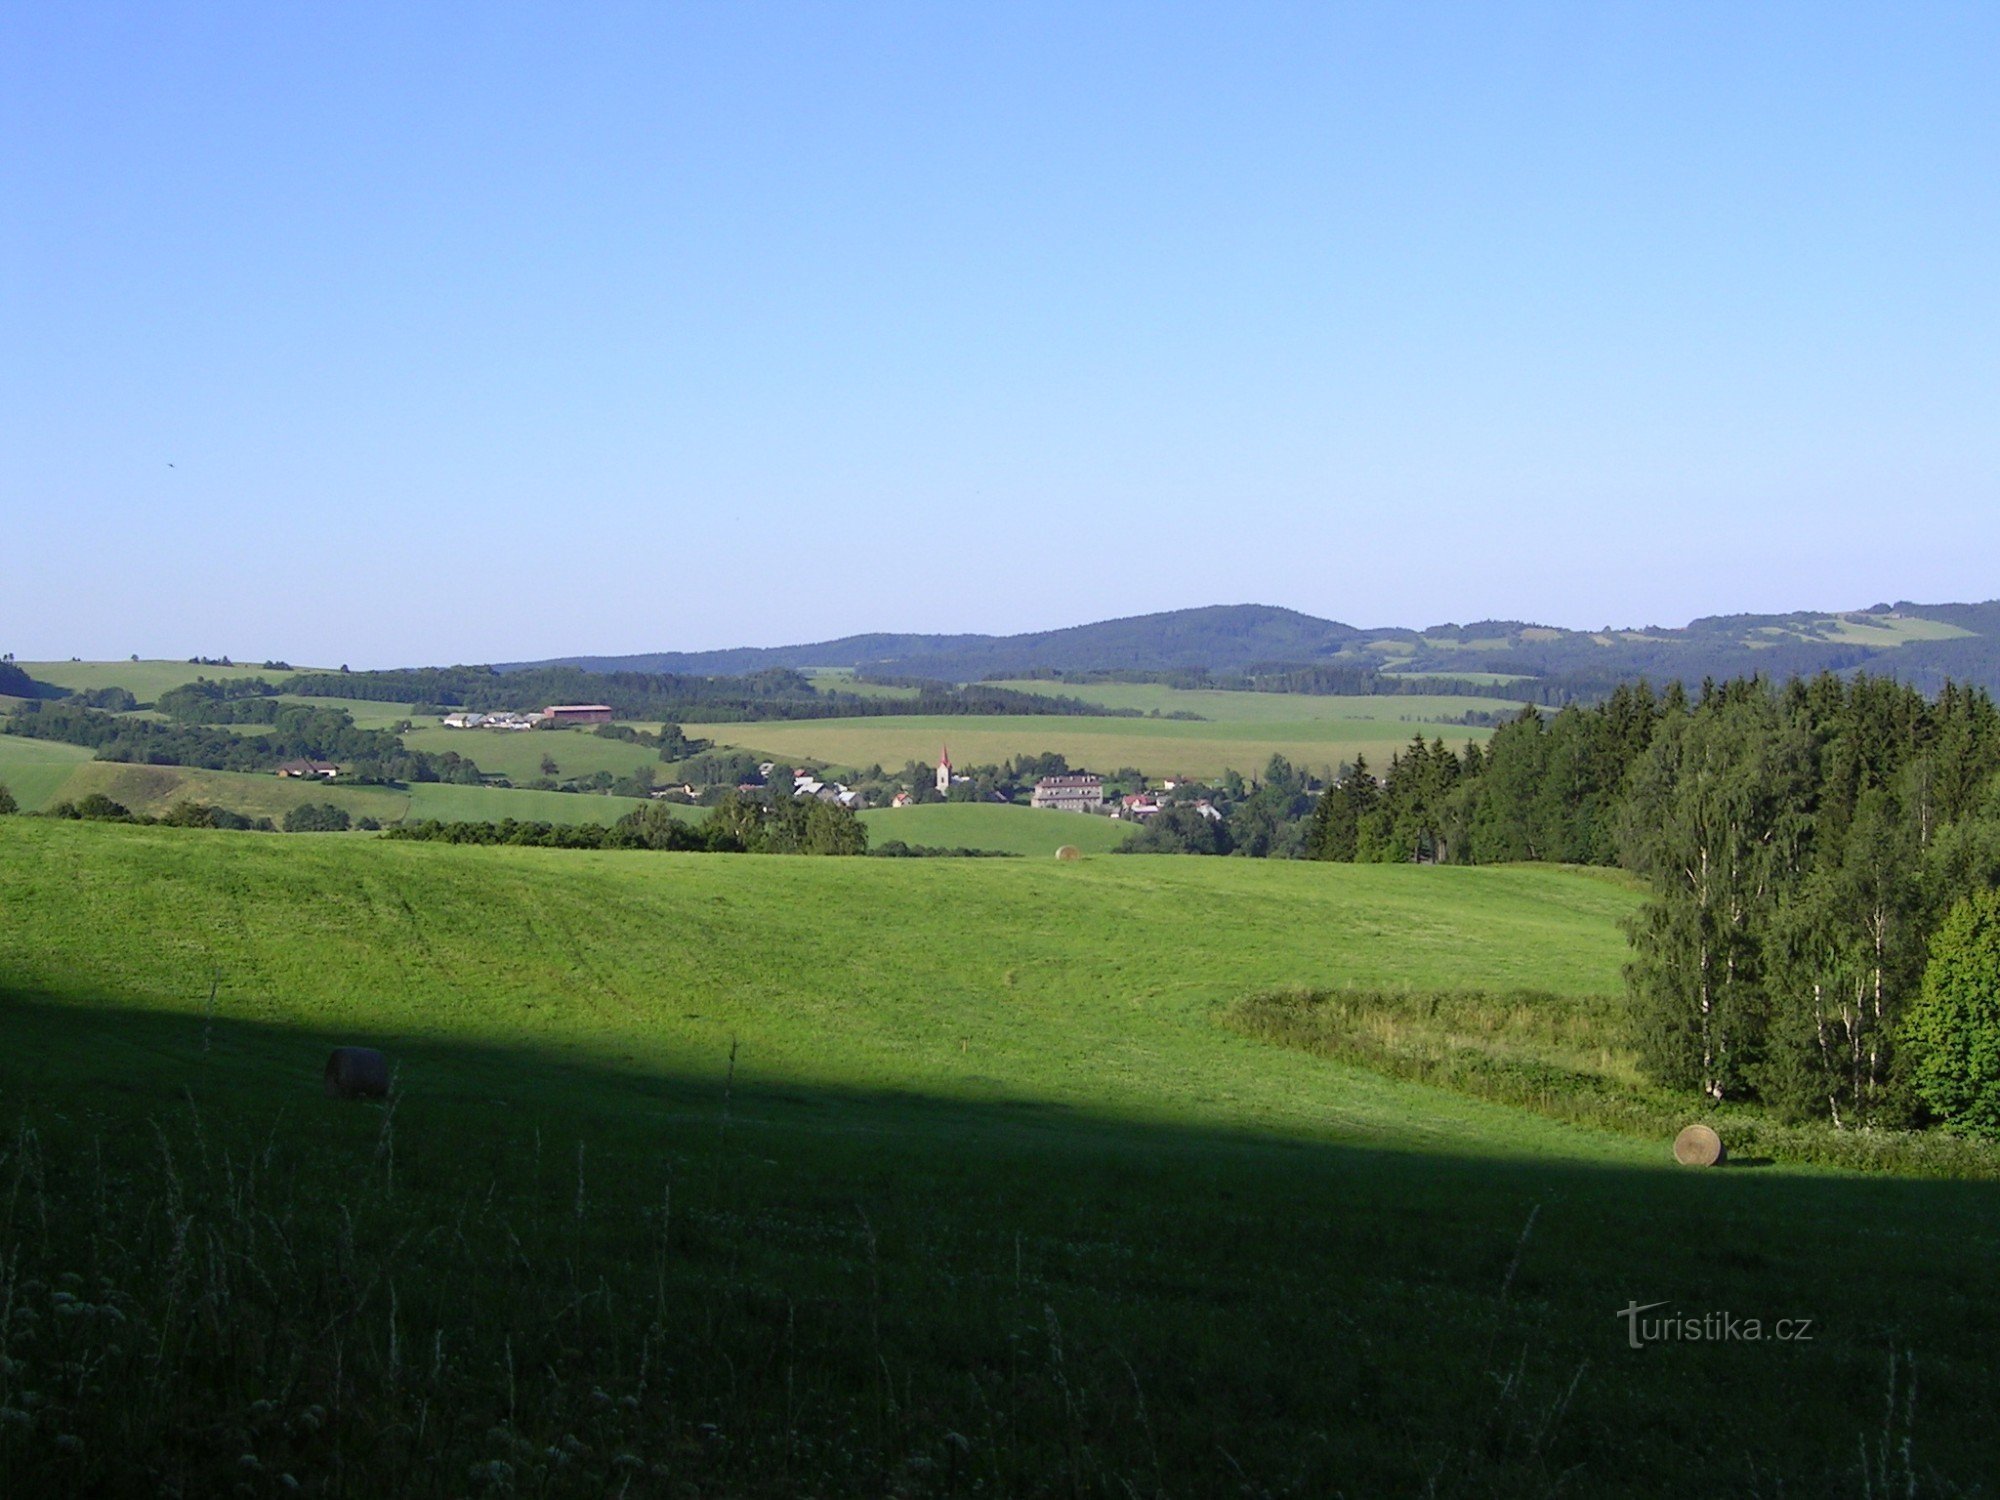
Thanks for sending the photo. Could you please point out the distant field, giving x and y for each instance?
(1487, 679)
(1225, 707)
(366, 713)
(33, 769)
(1864, 630)
(154, 789)
(1036, 832)
(517, 753)
(842, 680)
(492, 804)
(1158, 747)
(145, 680)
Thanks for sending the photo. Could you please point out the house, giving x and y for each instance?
(309, 769)
(1069, 793)
(902, 799)
(1140, 805)
(559, 715)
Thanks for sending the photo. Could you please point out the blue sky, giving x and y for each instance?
(399, 333)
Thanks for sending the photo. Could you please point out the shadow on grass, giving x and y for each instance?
(810, 1289)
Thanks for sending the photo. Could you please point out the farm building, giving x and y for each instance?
(1069, 793)
(309, 769)
(556, 715)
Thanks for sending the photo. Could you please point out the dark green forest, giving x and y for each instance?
(299, 731)
(1816, 855)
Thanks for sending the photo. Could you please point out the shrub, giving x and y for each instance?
(317, 817)
(7, 802)
(1953, 1029)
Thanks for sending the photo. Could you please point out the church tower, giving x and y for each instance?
(944, 772)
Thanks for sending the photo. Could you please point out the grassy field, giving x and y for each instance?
(145, 680)
(366, 712)
(517, 754)
(154, 789)
(746, 1176)
(1158, 747)
(1486, 679)
(493, 804)
(842, 680)
(1036, 832)
(33, 770)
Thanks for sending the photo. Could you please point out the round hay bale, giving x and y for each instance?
(1069, 852)
(357, 1073)
(1698, 1146)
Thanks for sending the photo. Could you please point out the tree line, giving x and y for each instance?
(299, 732)
(777, 693)
(1810, 852)
(739, 824)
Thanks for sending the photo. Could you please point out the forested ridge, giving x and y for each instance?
(778, 693)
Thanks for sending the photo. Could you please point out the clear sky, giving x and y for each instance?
(398, 333)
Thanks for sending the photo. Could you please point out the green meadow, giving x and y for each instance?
(773, 1176)
(153, 790)
(517, 753)
(145, 680)
(34, 770)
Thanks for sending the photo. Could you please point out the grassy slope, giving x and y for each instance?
(492, 804)
(964, 986)
(1159, 747)
(145, 680)
(34, 770)
(517, 754)
(990, 1205)
(1036, 832)
(154, 789)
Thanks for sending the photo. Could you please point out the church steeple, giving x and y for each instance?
(944, 771)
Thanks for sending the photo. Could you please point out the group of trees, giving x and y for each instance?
(776, 693)
(299, 731)
(739, 824)
(1812, 853)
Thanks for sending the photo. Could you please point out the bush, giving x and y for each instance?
(7, 802)
(1953, 1030)
(96, 806)
(317, 817)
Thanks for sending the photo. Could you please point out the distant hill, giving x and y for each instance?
(1920, 643)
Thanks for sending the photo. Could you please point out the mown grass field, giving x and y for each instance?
(449, 802)
(1011, 829)
(1158, 747)
(517, 754)
(366, 712)
(145, 680)
(33, 770)
(753, 1175)
(153, 790)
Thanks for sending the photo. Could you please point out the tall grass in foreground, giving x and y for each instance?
(199, 1309)
(1557, 1055)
